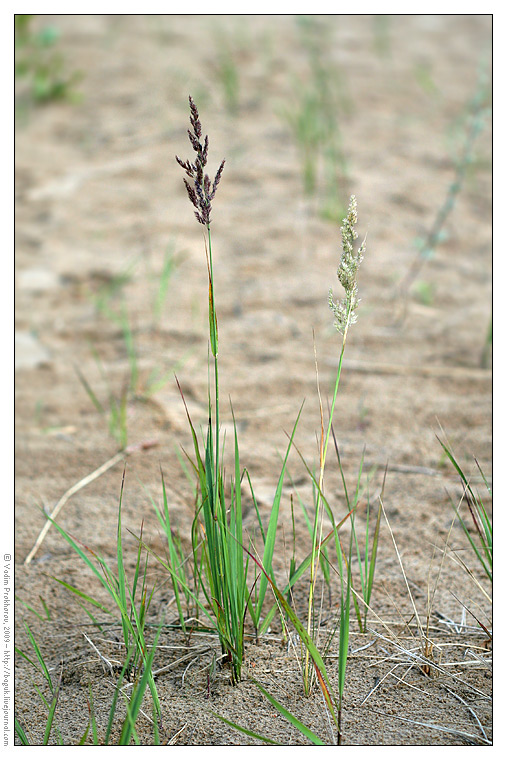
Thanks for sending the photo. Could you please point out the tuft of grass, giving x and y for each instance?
(132, 705)
(132, 601)
(169, 266)
(313, 115)
(219, 563)
(114, 409)
(304, 729)
(367, 564)
(40, 666)
(228, 76)
(479, 533)
(476, 115)
(38, 62)
(230, 47)
(220, 527)
(136, 386)
(344, 312)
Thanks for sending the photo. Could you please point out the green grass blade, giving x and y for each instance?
(269, 546)
(174, 555)
(128, 337)
(29, 660)
(18, 728)
(31, 609)
(479, 516)
(136, 699)
(91, 395)
(485, 481)
(256, 508)
(373, 559)
(84, 737)
(81, 595)
(318, 662)
(51, 714)
(245, 731)
(112, 709)
(302, 567)
(46, 608)
(93, 720)
(324, 559)
(122, 581)
(191, 594)
(291, 718)
(39, 656)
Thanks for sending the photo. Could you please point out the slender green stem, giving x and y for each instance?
(316, 544)
(214, 351)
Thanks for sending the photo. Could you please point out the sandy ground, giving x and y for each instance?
(99, 203)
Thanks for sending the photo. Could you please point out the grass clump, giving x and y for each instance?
(115, 404)
(39, 64)
(313, 114)
(464, 136)
(223, 561)
(479, 533)
(50, 702)
(217, 536)
(344, 311)
(221, 567)
(131, 599)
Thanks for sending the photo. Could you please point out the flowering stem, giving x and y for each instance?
(316, 547)
(344, 312)
(214, 350)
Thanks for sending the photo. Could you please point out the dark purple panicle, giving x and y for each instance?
(202, 191)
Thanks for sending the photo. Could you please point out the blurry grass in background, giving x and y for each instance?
(314, 114)
(40, 65)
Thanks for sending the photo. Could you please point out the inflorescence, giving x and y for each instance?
(201, 192)
(344, 310)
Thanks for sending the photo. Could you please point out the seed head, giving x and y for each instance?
(344, 310)
(200, 191)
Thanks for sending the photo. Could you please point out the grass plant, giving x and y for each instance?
(313, 116)
(136, 386)
(222, 560)
(114, 409)
(132, 706)
(217, 534)
(474, 120)
(40, 666)
(228, 76)
(231, 44)
(225, 569)
(40, 64)
(479, 533)
(366, 555)
(344, 312)
(163, 279)
(131, 600)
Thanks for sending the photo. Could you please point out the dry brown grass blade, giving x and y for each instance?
(78, 486)
(473, 738)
